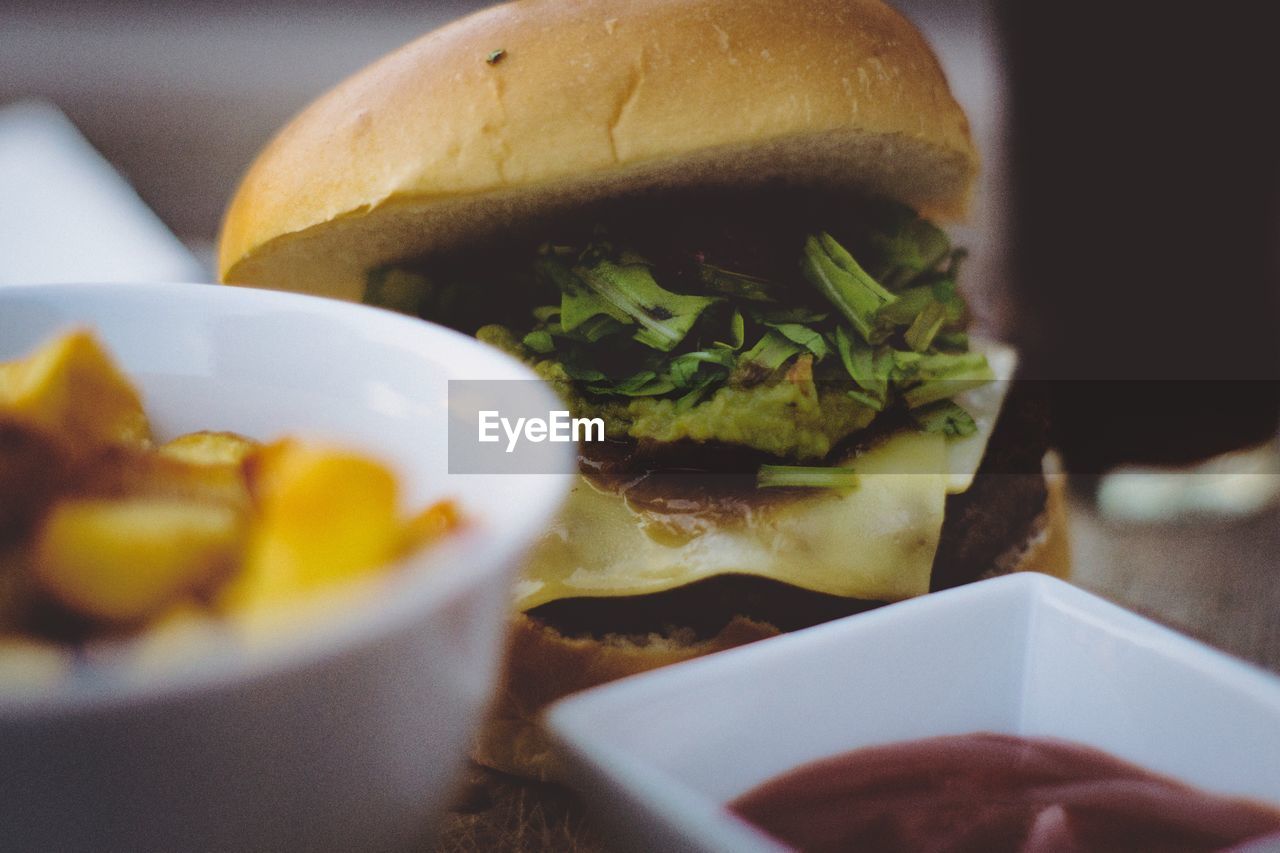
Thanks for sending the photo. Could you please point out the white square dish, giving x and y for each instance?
(660, 755)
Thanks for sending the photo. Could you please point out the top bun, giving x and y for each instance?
(537, 106)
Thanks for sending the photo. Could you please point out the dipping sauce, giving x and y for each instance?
(988, 793)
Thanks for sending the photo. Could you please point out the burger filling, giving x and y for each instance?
(671, 342)
(789, 394)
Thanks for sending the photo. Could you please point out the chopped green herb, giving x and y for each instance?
(919, 336)
(770, 352)
(665, 317)
(546, 313)
(945, 417)
(600, 326)
(806, 337)
(875, 404)
(845, 261)
(904, 310)
(860, 363)
(540, 341)
(644, 383)
(578, 302)
(696, 394)
(848, 287)
(582, 373)
(697, 372)
(942, 376)
(805, 477)
(495, 56)
(907, 247)
(691, 361)
(606, 320)
(944, 365)
(737, 332)
(905, 365)
(952, 341)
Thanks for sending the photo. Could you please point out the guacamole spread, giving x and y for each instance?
(789, 417)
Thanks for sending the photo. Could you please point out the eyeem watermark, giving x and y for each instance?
(558, 426)
(515, 426)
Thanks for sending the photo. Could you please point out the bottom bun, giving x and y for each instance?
(544, 665)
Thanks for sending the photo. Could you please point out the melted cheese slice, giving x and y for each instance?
(876, 542)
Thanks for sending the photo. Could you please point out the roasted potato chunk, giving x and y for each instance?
(71, 388)
(209, 448)
(103, 535)
(33, 469)
(324, 516)
(121, 472)
(429, 525)
(124, 560)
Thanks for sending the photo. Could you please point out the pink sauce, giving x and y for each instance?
(988, 793)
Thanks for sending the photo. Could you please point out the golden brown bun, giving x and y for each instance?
(544, 665)
(593, 99)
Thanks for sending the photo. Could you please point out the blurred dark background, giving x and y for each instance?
(1145, 175)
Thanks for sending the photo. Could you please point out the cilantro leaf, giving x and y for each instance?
(737, 332)
(770, 352)
(944, 417)
(845, 284)
(942, 376)
(811, 340)
(540, 341)
(665, 317)
(805, 477)
(919, 336)
(906, 246)
(578, 303)
(870, 370)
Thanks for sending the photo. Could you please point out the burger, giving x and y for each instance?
(715, 226)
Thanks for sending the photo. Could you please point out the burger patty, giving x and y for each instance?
(997, 514)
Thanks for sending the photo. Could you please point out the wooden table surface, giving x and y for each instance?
(1217, 581)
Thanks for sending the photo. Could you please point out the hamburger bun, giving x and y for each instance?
(447, 139)
(529, 111)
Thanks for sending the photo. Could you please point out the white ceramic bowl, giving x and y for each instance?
(660, 755)
(346, 735)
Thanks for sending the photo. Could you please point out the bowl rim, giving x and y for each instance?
(408, 584)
